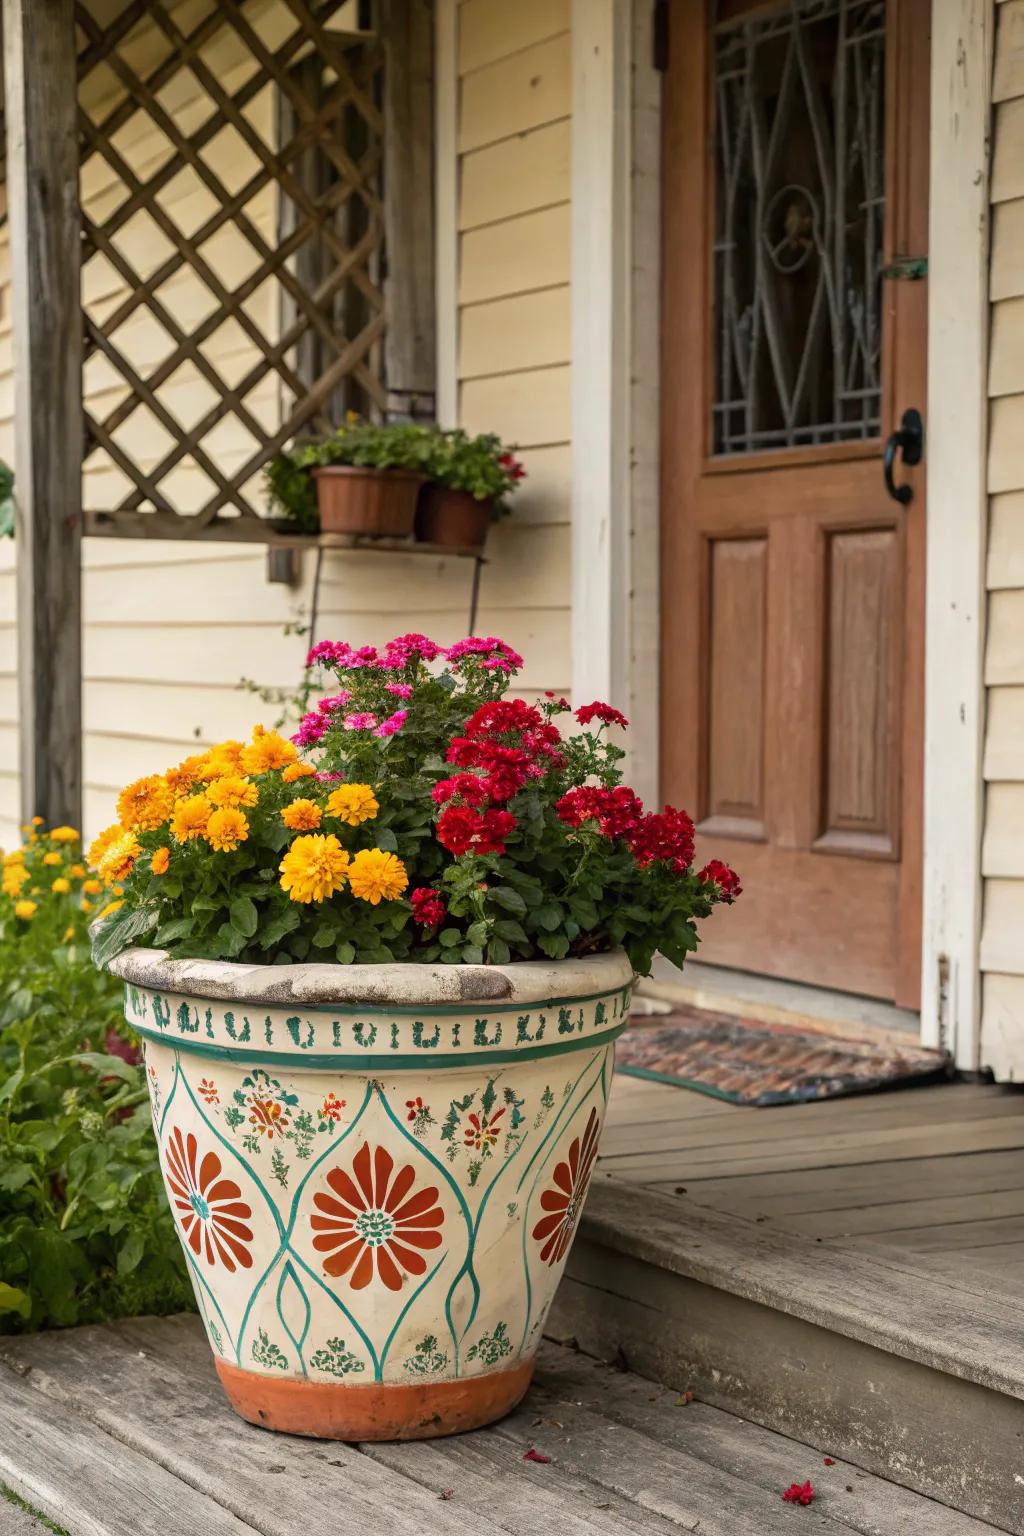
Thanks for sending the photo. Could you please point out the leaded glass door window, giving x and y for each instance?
(799, 137)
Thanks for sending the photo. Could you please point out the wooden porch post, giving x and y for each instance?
(42, 184)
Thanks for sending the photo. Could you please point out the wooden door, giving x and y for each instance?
(795, 175)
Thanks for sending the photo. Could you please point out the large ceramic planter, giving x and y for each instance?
(376, 1173)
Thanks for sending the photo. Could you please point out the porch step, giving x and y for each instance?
(910, 1375)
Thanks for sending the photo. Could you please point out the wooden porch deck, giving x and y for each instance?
(108, 1430)
(936, 1174)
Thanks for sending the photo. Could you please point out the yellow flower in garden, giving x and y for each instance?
(92, 887)
(301, 816)
(268, 750)
(100, 844)
(25, 909)
(16, 856)
(376, 876)
(190, 817)
(64, 835)
(225, 757)
(353, 803)
(297, 771)
(52, 858)
(86, 906)
(60, 886)
(77, 871)
(111, 906)
(181, 779)
(119, 859)
(15, 876)
(69, 934)
(146, 804)
(232, 789)
(226, 828)
(313, 868)
(37, 821)
(160, 860)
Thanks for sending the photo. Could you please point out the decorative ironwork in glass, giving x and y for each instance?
(799, 109)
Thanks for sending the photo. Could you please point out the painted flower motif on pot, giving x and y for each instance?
(374, 1221)
(563, 1201)
(483, 1131)
(209, 1208)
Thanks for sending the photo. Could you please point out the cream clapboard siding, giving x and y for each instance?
(172, 628)
(1002, 942)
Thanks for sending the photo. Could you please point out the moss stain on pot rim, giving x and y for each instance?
(376, 1202)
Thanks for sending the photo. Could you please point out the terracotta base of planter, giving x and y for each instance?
(418, 1411)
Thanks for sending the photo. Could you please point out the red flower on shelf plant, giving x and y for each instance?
(418, 813)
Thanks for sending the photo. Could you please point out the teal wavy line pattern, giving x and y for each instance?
(580, 1099)
(402, 1315)
(288, 1273)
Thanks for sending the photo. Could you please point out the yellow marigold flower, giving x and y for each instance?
(86, 905)
(376, 876)
(92, 887)
(181, 779)
(225, 757)
(37, 821)
(301, 816)
(111, 906)
(160, 860)
(16, 856)
(226, 828)
(14, 878)
(100, 844)
(52, 858)
(268, 750)
(25, 909)
(77, 871)
(190, 817)
(118, 861)
(146, 804)
(69, 934)
(64, 835)
(313, 868)
(232, 789)
(353, 803)
(297, 771)
(60, 886)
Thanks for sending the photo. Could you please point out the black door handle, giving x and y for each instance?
(908, 439)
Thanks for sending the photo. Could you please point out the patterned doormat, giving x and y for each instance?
(749, 1062)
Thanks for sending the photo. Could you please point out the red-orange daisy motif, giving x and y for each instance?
(564, 1201)
(268, 1117)
(376, 1221)
(212, 1214)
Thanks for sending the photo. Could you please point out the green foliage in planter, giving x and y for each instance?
(480, 465)
(85, 1232)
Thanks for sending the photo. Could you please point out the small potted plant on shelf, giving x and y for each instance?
(470, 481)
(363, 478)
(388, 961)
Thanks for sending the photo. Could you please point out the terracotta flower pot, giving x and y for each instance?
(351, 499)
(376, 1173)
(456, 518)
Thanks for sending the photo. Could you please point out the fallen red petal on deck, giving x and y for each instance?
(535, 1455)
(799, 1493)
(828, 1461)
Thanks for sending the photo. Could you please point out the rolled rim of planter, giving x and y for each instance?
(376, 1172)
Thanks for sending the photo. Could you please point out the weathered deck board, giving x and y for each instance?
(15, 1521)
(124, 1429)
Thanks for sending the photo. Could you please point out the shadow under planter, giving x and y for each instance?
(376, 1173)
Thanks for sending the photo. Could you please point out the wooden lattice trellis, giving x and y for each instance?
(283, 111)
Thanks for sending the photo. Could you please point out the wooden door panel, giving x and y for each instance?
(792, 630)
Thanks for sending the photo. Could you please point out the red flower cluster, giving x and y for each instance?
(727, 880)
(461, 829)
(511, 465)
(617, 811)
(665, 836)
(428, 909)
(603, 712)
(798, 1493)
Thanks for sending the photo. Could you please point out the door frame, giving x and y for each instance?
(615, 319)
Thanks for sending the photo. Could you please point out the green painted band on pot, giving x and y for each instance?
(364, 1064)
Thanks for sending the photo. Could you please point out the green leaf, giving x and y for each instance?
(472, 954)
(13, 1300)
(177, 928)
(509, 928)
(449, 936)
(476, 933)
(345, 953)
(549, 916)
(326, 934)
(244, 916)
(498, 952)
(386, 839)
(554, 944)
(119, 931)
(511, 900)
(107, 1066)
(232, 940)
(274, 930)
(131, 1252)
